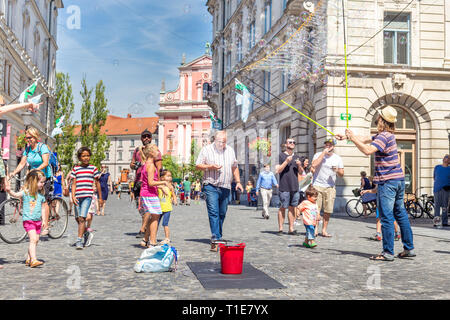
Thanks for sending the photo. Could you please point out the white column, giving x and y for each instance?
(447, 34)
(182, 84)
(190, 87)
(161, 138)
(180, 146)
(188, 142)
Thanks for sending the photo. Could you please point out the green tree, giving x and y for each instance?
(195, 150)
(65, 143)
(170, 164)
(93, 118)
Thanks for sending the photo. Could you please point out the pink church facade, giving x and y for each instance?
(184, 112)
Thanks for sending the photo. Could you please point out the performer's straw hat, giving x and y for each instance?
(388, 113)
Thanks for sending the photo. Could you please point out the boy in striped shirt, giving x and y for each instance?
(84, 176)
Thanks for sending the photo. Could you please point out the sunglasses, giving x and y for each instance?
(146, 136)
(28, 138)
(291, 142)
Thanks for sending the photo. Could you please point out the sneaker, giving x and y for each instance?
(79, 244)
(165, 241)
(376, 237)
(88, 238)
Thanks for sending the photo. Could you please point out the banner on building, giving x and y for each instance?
(6, 142)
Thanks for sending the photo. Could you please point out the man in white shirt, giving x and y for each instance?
(326, 165)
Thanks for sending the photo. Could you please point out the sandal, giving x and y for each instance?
(144, 243)
(325, 235)
(406, 254)
(27, 262)
(306, 245)
(380, 257)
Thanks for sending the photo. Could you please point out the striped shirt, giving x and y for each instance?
(387, 163)
(84, 177)
(225, 158)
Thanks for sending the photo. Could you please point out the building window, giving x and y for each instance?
(119, 156)
(251, 37)
(7, 78)
(266, 86)
(228, 64)
(106, 156)
(132, 143)
(131, 154)
(239, 51)
(120, 143)
(397, 38)
(10, 13)
(268, 16)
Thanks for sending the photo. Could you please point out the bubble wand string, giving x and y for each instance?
(345, 55)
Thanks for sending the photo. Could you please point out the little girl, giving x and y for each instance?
(166, 197)
(32, 197)
(149, 195)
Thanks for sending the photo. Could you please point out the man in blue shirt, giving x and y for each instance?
(265, 183)
(441, 190)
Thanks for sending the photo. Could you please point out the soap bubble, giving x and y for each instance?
(187, 8)
(136, 108)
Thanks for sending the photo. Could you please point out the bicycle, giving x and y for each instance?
(11, 226)
(355, 207)
(419, 205)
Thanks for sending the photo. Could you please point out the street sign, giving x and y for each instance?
(344, 116)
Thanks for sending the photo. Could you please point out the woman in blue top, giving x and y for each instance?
(37, 156)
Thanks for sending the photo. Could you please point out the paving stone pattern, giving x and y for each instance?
(338, 268)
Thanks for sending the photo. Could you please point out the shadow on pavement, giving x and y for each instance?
(439, 251)
(208, 241)
(353, 253)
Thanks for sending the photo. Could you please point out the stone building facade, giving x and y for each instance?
(406, 65)
(28, 45)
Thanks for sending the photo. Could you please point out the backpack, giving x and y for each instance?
(52, 160)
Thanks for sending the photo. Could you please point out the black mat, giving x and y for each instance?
(210, 276)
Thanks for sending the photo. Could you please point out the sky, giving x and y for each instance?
(132, 45)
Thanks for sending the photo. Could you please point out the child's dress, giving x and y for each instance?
(149, 195)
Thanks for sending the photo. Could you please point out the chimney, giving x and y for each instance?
(129, 115)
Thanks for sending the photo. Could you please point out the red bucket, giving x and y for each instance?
(232, 258)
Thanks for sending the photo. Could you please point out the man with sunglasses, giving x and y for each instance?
(290, 170)
(137, 163)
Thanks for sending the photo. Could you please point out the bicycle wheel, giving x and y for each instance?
(414, 209)
(11, 224)
(429, 209)
(354, 208)
(58, 218)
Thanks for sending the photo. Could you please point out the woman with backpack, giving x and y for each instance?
(37, 156)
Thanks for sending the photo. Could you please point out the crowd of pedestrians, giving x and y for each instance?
(305, 189)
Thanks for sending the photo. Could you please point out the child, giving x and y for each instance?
(377, 235)
(149, 195)
(253, 198)
(166, 197)
(84, 176)
(93, 209)
(33, 197)
(310, 215)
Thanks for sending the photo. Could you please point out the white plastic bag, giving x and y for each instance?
(156, 259)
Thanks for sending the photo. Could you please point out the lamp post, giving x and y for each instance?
(260, 132)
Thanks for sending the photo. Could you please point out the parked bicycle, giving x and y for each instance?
(416, 205)
(11, 229)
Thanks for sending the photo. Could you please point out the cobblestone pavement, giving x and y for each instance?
(338, 268)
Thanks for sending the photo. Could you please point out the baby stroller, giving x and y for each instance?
(253, 198)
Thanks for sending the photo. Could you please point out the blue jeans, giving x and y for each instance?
(217, 204)
(391, 207)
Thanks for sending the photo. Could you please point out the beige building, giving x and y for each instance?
(407, 65)
(28, 32)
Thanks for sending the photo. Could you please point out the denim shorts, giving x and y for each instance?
(82, 209)
(289, 199)
(165, 218)
(310, 232)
